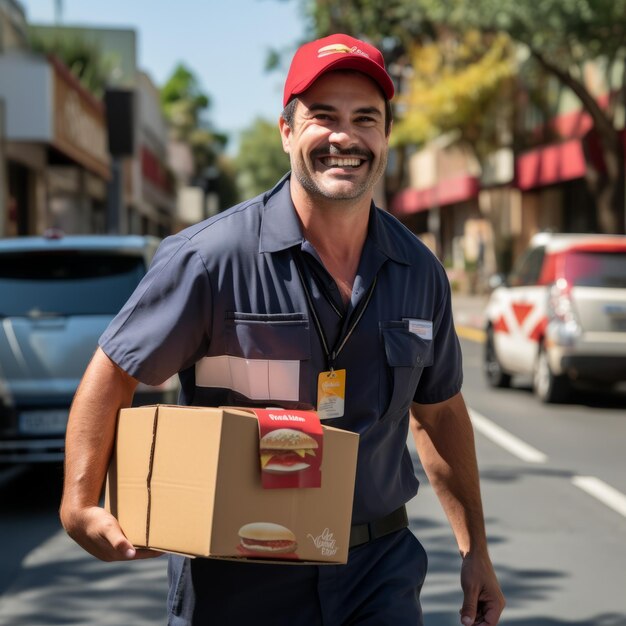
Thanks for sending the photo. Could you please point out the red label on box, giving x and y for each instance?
(290, 448)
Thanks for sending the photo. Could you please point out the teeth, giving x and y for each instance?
(342, 162)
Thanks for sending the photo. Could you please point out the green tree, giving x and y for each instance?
(85, 59)
(184, 106)
(455, 84)
(183, 102)
(227, 187)
(261, 160)
(563, 37)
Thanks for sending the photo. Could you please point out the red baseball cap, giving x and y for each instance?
(335, 52)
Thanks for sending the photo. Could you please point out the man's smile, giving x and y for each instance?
(331, 157)
(334, 161)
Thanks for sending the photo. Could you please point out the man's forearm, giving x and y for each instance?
(91, 431)
(444, 440)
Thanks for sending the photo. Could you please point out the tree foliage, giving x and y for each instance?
(453, 84)
(394, 26)
(184, 106)
(183, 102)
(568, 32)
(564, 37)
(261, 160)
(84, 59)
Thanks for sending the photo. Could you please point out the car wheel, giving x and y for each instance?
(547, 386)
(495, 375)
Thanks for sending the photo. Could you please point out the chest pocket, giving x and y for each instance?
(263, 359)
(262, 336)
(407, 355)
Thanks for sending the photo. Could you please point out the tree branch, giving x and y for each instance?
(602, 121)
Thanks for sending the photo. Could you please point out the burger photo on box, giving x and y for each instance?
(266, 539)
(286, 450)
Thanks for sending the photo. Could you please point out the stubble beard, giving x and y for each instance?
(308, 183)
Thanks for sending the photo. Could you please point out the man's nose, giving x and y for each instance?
(342, 134)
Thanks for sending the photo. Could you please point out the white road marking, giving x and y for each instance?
(591, 485)
(600, 490)
(506, 440)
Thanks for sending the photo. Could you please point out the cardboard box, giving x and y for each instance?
(187, 479)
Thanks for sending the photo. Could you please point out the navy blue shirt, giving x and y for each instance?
(223, 305)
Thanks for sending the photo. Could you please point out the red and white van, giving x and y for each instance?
(560, 316)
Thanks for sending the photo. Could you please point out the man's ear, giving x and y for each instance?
(285, 133)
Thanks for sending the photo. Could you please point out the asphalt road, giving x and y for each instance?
(559, 551)
(553, 481)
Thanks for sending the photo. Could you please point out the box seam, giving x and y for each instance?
(155, 424)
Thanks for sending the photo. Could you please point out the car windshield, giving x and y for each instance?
(596, 269)
(59, 283)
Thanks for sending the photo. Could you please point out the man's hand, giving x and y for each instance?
(483, 601)
(103, 391)
(99, 533)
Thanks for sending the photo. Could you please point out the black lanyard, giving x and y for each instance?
(357, 314)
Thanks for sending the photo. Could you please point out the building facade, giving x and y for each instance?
(479, 216)
(55, 150)
(56, 166)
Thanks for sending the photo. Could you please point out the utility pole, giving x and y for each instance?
(58, 11)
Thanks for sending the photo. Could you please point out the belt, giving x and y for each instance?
(364, 533)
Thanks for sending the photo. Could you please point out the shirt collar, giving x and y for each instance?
(280, 227)
(379, 233)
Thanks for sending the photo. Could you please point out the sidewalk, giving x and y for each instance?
(469, 310)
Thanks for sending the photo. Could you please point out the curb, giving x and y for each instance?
(470, 333)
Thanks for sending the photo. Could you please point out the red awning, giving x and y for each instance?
(446, 192)
(559, 162)
(550, 165)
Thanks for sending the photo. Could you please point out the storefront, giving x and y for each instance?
(555, 195)
(56, 153)
(152, 200)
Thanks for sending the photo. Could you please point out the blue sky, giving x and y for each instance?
(223, 41)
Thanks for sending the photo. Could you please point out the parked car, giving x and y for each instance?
(560, 316)
(57, 295)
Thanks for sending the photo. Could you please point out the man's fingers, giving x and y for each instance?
(112, 537)
(482, 614)
(467, 620)
(124, 548)
(147, 554)
(468, 611)
(483, 601)
(99, 533)
(490, 615)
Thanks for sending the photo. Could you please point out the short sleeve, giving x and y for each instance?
(164, 326)
(444, 378)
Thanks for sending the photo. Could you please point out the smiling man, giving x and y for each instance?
(313, 284)
(337, 139)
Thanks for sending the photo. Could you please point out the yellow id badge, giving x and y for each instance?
(331, 394)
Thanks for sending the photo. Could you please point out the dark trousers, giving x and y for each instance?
(379, 586)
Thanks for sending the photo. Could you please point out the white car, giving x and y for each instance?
(560, 316)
